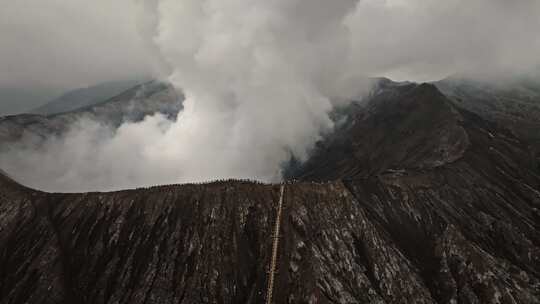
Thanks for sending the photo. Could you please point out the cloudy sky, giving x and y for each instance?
(428, 39)
(75, 43)
(69, 43)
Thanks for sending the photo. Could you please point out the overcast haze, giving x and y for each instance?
(73, 43)
(260, 77)
(430, 39)
(69, 43)
(76, 43)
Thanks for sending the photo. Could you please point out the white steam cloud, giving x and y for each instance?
(260, 78)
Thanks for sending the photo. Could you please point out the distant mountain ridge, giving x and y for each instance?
(17, 100)
(85, 97)
(129, 106)
(513, 104)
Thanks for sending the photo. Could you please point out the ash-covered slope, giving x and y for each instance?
(400, 126)
(427, 204)
(131, 105)
(514, 103)
(85, 97)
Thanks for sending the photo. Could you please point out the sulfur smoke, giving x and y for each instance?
(258, 79)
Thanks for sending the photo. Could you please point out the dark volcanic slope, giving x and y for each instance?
(84, 97)
(430, 204)
(131, 105)
(514, 104)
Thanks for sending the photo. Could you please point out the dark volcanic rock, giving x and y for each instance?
(401, 127)
(514, 103)
(428, 203)
(130, 106)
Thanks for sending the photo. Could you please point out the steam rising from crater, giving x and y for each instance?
(258, 78)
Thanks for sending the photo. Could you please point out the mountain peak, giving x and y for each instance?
(411, 126)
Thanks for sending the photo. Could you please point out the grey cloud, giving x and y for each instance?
(69, 43)
(429, 39)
